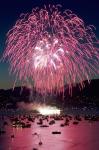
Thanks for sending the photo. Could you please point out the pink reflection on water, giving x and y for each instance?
(73, 137)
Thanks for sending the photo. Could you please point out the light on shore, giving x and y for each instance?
(48, 110)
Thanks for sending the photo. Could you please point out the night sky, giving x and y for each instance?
(10, 11)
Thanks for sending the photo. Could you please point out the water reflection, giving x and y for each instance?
(83, 136)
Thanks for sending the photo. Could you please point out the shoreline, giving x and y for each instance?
(66, 111)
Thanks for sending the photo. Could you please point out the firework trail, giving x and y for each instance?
(50, 49)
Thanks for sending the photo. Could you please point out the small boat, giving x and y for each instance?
(44, 126)
(75, 122)
(12, 136)
(56, 132)
(52, 122)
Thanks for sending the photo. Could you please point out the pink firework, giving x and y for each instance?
(50, 49)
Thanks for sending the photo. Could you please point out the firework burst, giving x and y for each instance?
(50, 49)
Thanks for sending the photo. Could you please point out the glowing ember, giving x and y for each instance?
(48, 110)
(49, 49)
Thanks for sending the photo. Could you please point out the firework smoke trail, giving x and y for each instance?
(50, 49)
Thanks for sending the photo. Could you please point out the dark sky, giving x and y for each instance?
(10, 11)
